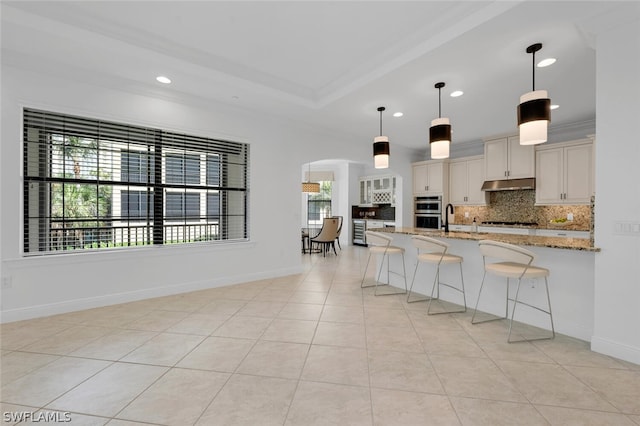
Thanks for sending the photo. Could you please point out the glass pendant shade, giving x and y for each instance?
(534, 114)
(440, 138)
(381, 152)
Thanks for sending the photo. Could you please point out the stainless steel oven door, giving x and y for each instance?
(427, 205)
(428, 221)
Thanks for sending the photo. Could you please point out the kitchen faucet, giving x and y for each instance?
(446, 218)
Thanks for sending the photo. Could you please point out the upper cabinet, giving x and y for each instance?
(377, 190)
(564, 173)
(366, 195)
(505, 158)
(465, 181)
(430, 178)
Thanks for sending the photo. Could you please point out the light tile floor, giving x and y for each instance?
(303, 350)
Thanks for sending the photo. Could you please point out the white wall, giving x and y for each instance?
(60, 283)
(617, 267)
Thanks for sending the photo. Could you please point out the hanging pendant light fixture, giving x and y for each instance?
(440, 131)
(381, 147)
(534, 111)
(308, 186)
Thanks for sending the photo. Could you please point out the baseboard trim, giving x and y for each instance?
(615, 349)
(66, 306)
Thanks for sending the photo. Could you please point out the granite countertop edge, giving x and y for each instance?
(567, 227)
(581, 244)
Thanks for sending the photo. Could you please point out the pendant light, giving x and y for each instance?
(534, 111)
(440, 131)
(381, 147)
(308, 186)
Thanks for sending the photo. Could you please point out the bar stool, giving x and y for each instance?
(381, 244)
(514, 262)
(435, 252)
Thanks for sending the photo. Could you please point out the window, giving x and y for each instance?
(135, 205)
(91, 184)
(181, 206)
(183, 168)
(319, 205)
(135, 166)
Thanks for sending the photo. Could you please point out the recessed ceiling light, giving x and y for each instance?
(457, 93)
(398, 114)
(162, 79)
(546, 62)
(555, 106)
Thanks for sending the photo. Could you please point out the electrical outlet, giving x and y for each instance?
(569, 216)
(466, 214)
(7, 282)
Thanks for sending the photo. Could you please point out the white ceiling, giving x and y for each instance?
(329, 63)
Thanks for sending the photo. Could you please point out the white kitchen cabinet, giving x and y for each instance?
(366, 192)
(460, 228)
(375, 224)
(564, 173)
(430, 178)
(505, 158)
(561, 233)
(506, 230)
(465, 181)
(384, 188)
(377, 190)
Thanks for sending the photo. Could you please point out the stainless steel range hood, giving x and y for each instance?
(509, 184)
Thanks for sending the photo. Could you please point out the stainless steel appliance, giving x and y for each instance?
(429, 205)
(427, 212)
(428, 221)
(359, 229)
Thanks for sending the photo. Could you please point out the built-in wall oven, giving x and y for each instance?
(427, 212)
(428, 221)
(429, 205)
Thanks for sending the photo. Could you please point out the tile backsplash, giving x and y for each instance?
(519, 206)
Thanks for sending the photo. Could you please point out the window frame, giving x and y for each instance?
(104, 146)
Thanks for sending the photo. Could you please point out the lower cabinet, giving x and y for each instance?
(561, 233)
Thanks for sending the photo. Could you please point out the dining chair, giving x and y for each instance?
(340, 220)
(327, 236)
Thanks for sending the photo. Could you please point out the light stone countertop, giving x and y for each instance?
(565, 227)
(583, 244)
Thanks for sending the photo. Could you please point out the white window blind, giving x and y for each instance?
(93, 184)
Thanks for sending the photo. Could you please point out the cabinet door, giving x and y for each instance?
(549, 176)
(420, 179)
(578, 174)
(435, 177)
(475, 178)
(495, 159)
(458, 182)
(365, 192)
(521, 159)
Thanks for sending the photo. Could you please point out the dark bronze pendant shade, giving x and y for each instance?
(534, 111)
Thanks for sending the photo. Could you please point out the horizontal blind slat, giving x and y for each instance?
(92, 184)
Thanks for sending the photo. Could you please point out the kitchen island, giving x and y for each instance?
(524, 240)
(571, 263)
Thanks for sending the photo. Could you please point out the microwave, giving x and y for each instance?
(427, 205)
